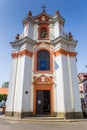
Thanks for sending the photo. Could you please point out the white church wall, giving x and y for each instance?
(27, 85)
(77, 102)
(63, 86)
(52, 34)
(19, 85)
(23, 85)
(60, 106)
(31, 30)
(71, 89)
(56, 29)
(12, 84)
(66, 81)
(61, 29)
(26, 27)
(35, 34)
(28, 46)
(65, 46)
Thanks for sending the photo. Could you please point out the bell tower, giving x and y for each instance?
(43, 78)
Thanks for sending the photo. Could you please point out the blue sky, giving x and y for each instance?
(12, 12)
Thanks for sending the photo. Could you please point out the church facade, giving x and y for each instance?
(43, 80)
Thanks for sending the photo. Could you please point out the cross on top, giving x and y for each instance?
(44, 7)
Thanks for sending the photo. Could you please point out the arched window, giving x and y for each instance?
(43, 33)
(43, 60)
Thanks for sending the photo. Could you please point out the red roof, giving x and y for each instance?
(83, 74)
(3, 90)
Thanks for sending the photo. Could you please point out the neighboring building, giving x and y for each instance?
(3, 90)
(43, 77)
(82, 77)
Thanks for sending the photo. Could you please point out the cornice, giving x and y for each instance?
(64, 52)
(59, 18)
(21, 41)
(22, 53)
(64, 40)
(33, 18)
(52, 19)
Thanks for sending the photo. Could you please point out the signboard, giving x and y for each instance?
(81, 95)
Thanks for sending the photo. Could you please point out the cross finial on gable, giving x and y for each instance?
(44, 8)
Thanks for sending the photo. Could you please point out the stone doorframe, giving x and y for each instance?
(43, 83)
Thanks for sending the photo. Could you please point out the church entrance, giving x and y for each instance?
(43, 102)
(43, 95)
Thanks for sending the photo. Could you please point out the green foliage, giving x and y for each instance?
(3, 96)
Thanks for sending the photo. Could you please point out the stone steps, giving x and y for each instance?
(43, 119)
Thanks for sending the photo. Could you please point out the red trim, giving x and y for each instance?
(22, 53)
(39, 30)
(64, 52)
(46, 18)
(43, 87)
(48, 43)
(35, 61)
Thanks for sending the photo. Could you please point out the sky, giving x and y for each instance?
(12, 12)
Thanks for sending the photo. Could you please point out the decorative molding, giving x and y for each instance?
(43, 83)
(39, 29)
(35, 61)
(61, 39)
(38, 43)
(64, 52)
(25, 39)
(46, 18)
(22, 53)
(43, 80)
(61, 22)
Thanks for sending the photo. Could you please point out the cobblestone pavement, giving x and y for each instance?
(30, 125)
